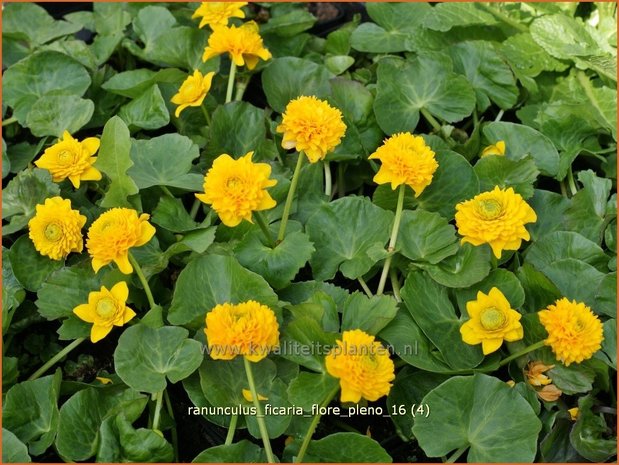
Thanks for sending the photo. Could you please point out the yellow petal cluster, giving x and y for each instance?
(549, 393)
(105, 309)
(492, 321)
(574, 412)
(243, 43)
(494, 149)
(575, 333)
(312, 126)
(496, 218)
(535, 373)
(236, 188)
(405, 159)
(69, 158)
(218, 13)
(112, 235)
(362, 365)
(249, 329)
(192, 91)
(56, 229)
(249, 398)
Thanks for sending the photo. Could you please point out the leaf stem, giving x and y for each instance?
(503, 17)
(395, 285)
(170, 411)
(265, 228)
(167, 191)
(290, 197)
(328, 180)
(140, 273)
(231, 429)
(365, 286)
(194, 209)
(207, 117)
(570, 181)
(158, 403)
(435, 124)
(341, 180)
(392, 241)
(52, 361)
(230, 81)
(526, 350)
(8, 121)
(456, 455)
(259, 415)
(240, 89)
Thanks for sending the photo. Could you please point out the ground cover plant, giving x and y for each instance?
(309, 232)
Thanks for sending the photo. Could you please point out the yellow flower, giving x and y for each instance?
(69, 158)
(55, 229)
(363, 366)
(192, 91)
(511, 383)
(103, 380)
(492, 320)
(105, 309)
(496, 218)
(406, 159)
(574, 332)
(574, 412)
(549, 393)
(236, 188)
(244, 44)
(112, 235)
(218, 13)
(311, 126)
(535, 374)
(494, 149)
(249, 398)
(249, 329)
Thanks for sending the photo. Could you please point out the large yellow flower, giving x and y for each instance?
(494, 149)
(105, 309)
(406, 159)
(69, 158)
(311, 126)
(496, 218)
(218, 13)
(249, 329)
(55, 229)
(363, 366)
(243, 43)
(192, 91)
(236, 188)
(492, 320)
(575, 333)
(112, 235)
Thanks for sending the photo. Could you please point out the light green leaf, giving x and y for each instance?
(538, 289)
(591, 436)
(505, 281)
(110, 18)
(31, 268)
(575, 279)
(337, 64)
(426, 237)
(148, 111)
(564, 244)
(468, 266)
(550, 208)
(289, 24)
(527, 58)
(170, 214)
(300, 337)
(446, 16)
(13, 450)
(588, 210)
(32, 22)
(309, 389)
(240, 452)
(134, 83)
(346, 447)
(606, 295)
(51, 115)
(501, 171)
(368, 314)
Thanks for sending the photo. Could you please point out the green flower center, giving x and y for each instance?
(106, 307)
(233, 183)
(66, 156)
(489, 209)
(492, 319)
(53, 232)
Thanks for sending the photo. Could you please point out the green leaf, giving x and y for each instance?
(564, 244)
(527, 58)
(339, 63)
(446, 16)
(20, 155)
(289, 24)
(135, 82)
(521, 141)
(148, 111)
(503, 280)
(346, 447)
(431, 309)
(13, 450)
(285, 79)
(309, 389)
(31, 268)
(300, 336)
(448, 96)
(31, 22)
(591, 436)
(240, 452)
(483, 404)
(573, 379)
(73, 328)
(10, 372)
(608, 354)
(51, 115)
(30, 411)
(278, 265)
(114, 161)
(501, 171)
(146, 356)
(550, 208)
(588, 210)
(110, 18)
(212, 280)
(426, 237)
(468, 266)
(539, 291)
(21, 196)
(344, 232)
(153, 165)
(606, 295)
(368, 314)
(170, 214)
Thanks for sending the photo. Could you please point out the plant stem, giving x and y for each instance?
(259, 415)
(499, 116)
(341, 180)
(265, 228)
(365, 286)
(168, 406)
(526, 350)
(140, 273)
(52, 361)
(570, 180)
(328, 181)
(240, 88)
(503, 17)
(435, 124)
(8, 121)
(395, 284)
(231, 430)
(158, 403)
(313, 424)
(293, 188)
(167, 191)
(194, 209)
(456, 455)
(207, 117)
(230, 81)
(392, 240)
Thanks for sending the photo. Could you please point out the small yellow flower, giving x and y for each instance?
(494, 149)
(55, 229)
(249, 329)
(69, 158)
(243, 43)
(574, 412)
(549, 393)
(192, 91)
(103, 380)
(249, 398)
(511, 383)
(492, 320)
(312, 126)
(362, 365)
(112, 235)
(236, 188)
(218, 13)
(535, 374)
(105, 309)
(406, 159)
(496, 218)
(575, 333)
